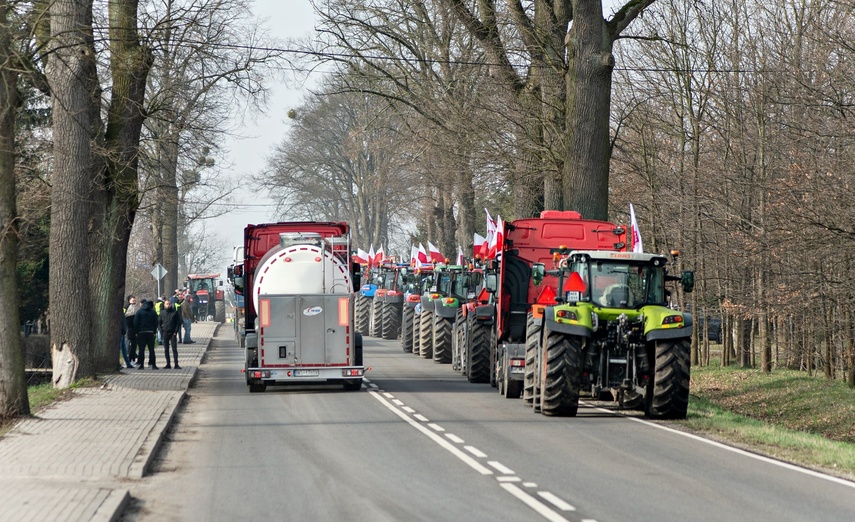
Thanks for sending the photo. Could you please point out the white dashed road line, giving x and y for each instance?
(506, 480)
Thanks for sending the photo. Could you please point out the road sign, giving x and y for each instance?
(158, 271)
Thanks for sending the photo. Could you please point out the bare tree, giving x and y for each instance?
(209, 62)
(13, 389)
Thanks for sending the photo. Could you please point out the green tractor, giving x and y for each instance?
(610, 329)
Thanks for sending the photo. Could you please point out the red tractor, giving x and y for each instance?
(499, 326)
(208, 297)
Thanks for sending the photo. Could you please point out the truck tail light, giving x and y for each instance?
(344, 311)
(519, 363)
(352, 373)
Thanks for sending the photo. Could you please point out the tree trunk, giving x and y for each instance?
(589, 85)
(13, 387)
(72, 76)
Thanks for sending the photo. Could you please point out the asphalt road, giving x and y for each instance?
(418, 442)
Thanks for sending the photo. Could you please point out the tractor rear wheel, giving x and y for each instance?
(456, 331)
(442, 340)
(561, 375)
(407, 315)
(478, 353)
(668, 390)
(532, 343)
(374, 323)
(219, 311)
(426, 334)
(362, 313)
(417, 333)
(391, 319)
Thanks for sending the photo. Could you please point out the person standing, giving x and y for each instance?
(145, 322)
(176, 299)
(130, 312)
(168, 320)
(187, 316)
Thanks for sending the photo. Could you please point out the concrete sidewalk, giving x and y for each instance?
(73, 460)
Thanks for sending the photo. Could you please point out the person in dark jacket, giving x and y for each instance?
(145, 323)
(169, 321)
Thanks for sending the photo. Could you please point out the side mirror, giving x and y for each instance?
(687, 280)
(538, 271)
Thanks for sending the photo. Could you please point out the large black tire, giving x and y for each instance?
(442, 340)
(426, 334)
(407, 315)
(391, 327)
(374, 323)
(668, 391)
(417, 333)
(357, 350)
(560, 387)
(532, 343)
(362, 314)
(493, 346)
(478, 353)
(220, 311)
(456, 345)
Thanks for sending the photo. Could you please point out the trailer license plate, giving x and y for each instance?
(517, 369)
(306, 373)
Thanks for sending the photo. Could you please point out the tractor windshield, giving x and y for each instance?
(200, 284)
(467, 284)
(622, 285)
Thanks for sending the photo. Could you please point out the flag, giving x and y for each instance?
(494, 250)
(435, 255)
(361, 256)
(637, 245)
(423, 258)
(479, 242)
(371, 256)
(459, 255)
(379, 256)
(414, 255)
(491, 232)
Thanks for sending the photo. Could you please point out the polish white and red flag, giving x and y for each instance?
(495, 247)
(637, 245)
(414, 255)
(491, 233)
(361, 256)
(479, 243)
(379, 256)
(435, 255)
(459, 255)
(371, 256)
(423, 257)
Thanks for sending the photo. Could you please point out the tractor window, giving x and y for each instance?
(617, 285)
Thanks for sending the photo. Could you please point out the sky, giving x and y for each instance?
(247, 156)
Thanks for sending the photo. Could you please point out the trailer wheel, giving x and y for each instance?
(668, 390)
(391, 321)
(478, 353)
(560, 375)
(257, 387)
(407, 315)
(426, 334)
(532, 343)
(362, 313)
(357, 349)
(461, 345)
(374, 322)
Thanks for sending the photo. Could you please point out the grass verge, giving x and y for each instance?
(788, 415)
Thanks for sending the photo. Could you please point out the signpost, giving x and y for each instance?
(157, 273)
